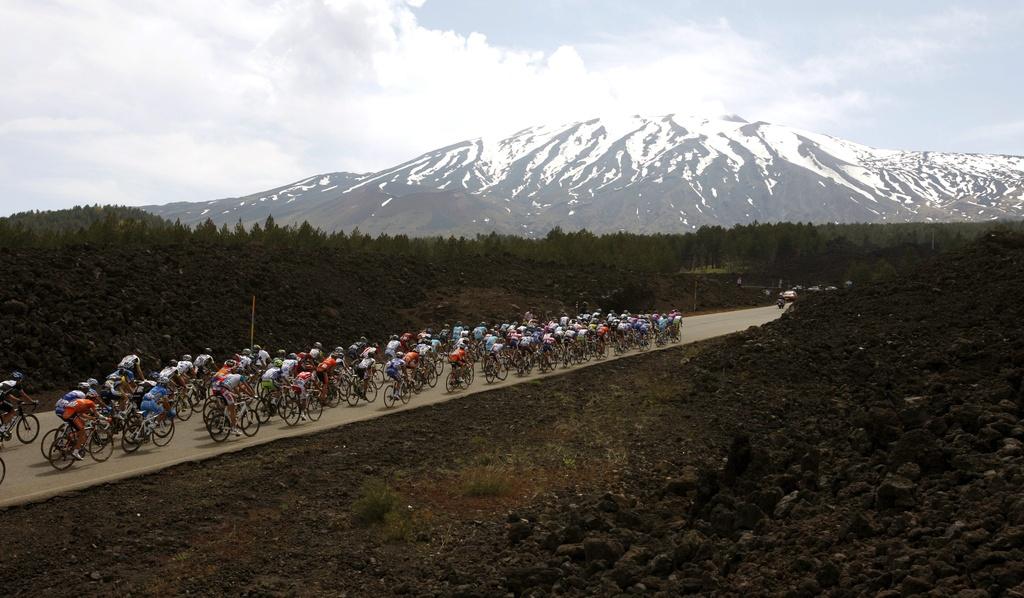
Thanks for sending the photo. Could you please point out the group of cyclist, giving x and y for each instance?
(156, 394)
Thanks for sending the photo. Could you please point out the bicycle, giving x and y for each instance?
(494, 368)
(218, 424)
(298, 404)
(458, 379)
(140, 429)
(396, 391)
(99, 443)
(26, 425)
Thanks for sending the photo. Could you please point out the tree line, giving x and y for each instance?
(716, 248)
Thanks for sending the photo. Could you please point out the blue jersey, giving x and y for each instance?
(479, 332)
(490, 342)
(156, 394)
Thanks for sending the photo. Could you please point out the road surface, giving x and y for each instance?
(30, 478)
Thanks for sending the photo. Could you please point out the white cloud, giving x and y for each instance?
(155, 101)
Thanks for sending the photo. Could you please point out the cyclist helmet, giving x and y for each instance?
(17, 376)
(92, 381)
(278, 362)
(362, 339)
(84, 386)
(399, 354)
(281, 352)
(394, 337)
(173, 362)
(164, 380)
(292, 356)
(430, 331)
(208, 350)
(246, 351)
(257, 348)
(318, 345)
(230, 363)
(339, 350)
(186, 357)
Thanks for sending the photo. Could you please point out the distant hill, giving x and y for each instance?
(667, 174)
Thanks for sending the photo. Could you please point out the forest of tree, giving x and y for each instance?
(712, 248)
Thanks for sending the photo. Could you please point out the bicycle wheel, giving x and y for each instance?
(314, 409)
(101, 444)
(3, 470)
(132, 437)
(44, 446)
(291, 411)
(450, 384)
(218, 426)
(28, 429)
(249, 422)
(390, 395)
(490, 372)
(183, 409)
(372, 390)
(351, 394)
(264, 409)
(163, 432)
(59, 453)
(406, 394)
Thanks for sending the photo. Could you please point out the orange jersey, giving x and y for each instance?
(411, 358)
(327, 365)
(223, 371)
(457, 356)
(78, 407)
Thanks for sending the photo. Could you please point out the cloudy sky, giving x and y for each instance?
(148, 101)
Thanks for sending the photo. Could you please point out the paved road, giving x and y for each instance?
(30, 478)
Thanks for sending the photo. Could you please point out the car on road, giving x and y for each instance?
(789, 295)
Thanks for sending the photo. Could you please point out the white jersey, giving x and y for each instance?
(129, 362)
(288, 366)
(393, 346)
(244, 362)
(315, 354)
(168, 371)
(231, 381)
(202, 360)
(272, 374)
(263, 358)
(185, 367)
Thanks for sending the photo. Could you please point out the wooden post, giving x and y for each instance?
(694, 293)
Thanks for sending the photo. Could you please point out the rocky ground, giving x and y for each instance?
(869, 442)
(70, 313)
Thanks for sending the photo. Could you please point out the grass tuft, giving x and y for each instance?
(486, 481)
(376, 500)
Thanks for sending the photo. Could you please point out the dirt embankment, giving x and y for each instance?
(66, 314)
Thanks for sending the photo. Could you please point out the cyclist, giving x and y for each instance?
(226, 389)
(412, 362)
(396, 369)
(479, 332)
(262, 357)
(132, 366)
(325, 369)
(157, 400)
(11, 389)
(316, 353)
(458, 359)
(76, 408)
(391, 349)
(204, 363)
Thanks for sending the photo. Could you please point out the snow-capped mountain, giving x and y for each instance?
(664, 174)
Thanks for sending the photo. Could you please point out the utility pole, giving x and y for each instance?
(695, 294)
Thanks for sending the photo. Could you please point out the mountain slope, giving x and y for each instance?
(664, 174)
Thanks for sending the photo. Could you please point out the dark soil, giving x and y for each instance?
(67, 314)
(869, 442)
